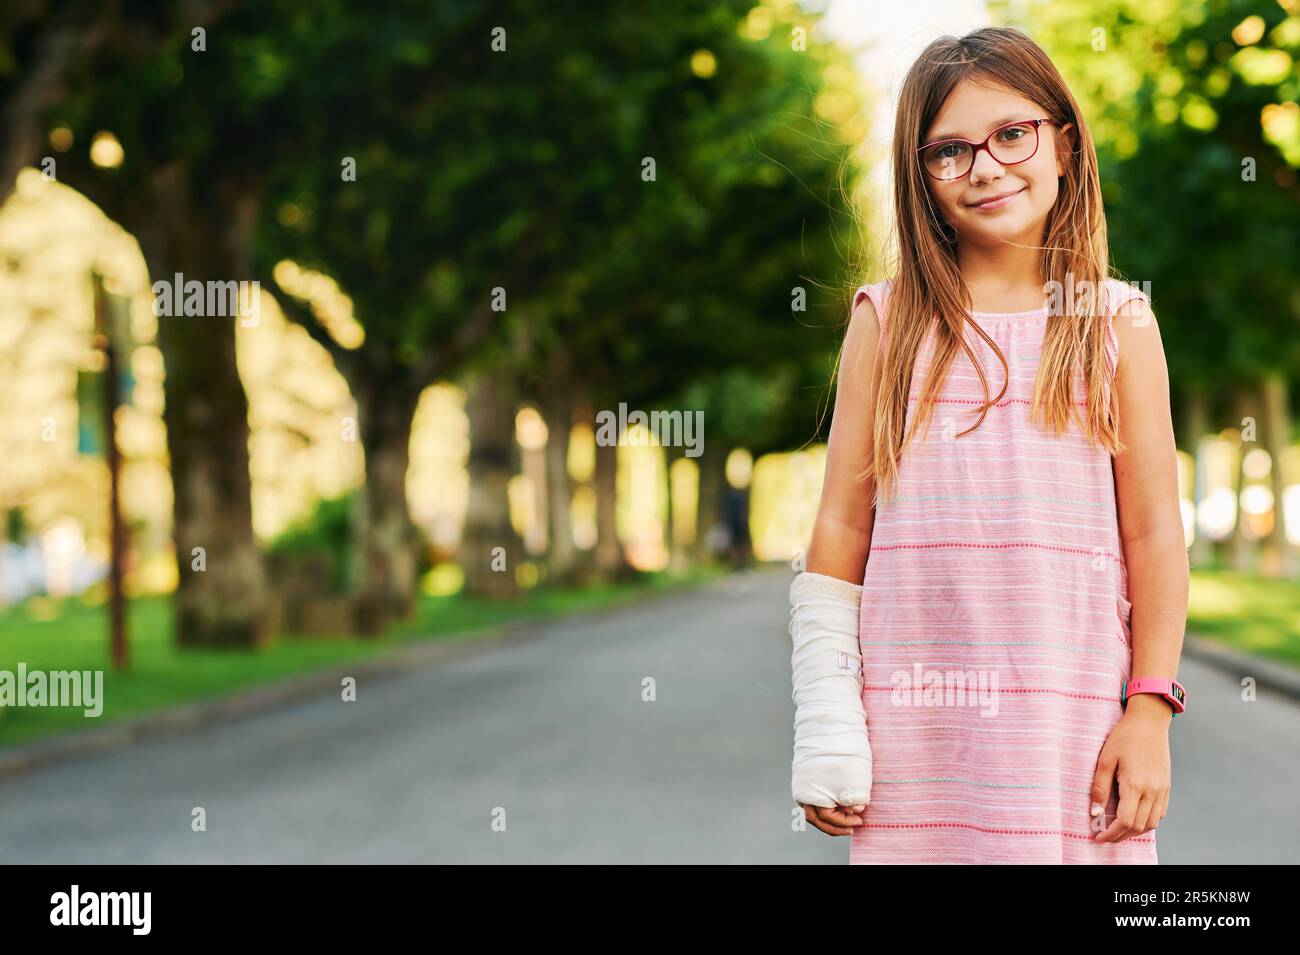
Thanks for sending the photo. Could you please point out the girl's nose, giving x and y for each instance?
(984, 168)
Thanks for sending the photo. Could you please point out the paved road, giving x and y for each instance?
(552, 735)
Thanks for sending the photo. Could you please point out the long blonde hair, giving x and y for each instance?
(929, 283)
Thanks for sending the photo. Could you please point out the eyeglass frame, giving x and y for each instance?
(1036, 123)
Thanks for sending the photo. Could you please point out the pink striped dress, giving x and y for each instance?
(995, 624)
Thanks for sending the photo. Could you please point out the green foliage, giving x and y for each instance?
(1181, 112)
(325, 532)
(478, 168)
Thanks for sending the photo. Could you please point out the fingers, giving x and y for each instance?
(1158, 814)
(1135, 805)
(1143, 813)
(1116, 831)
(841, 816)
(1102, 781)
(811, 814)
(835, 820)
(1159, 806)
(1142, 801)
(1124, 812)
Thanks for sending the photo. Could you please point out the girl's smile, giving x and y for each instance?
(1001, 201)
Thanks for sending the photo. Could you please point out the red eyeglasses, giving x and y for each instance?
(1008, 145)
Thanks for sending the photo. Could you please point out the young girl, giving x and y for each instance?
(987, 632)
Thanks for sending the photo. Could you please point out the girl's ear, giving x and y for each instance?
(1067, 134)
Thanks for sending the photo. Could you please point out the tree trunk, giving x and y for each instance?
(221, 597)
(562, 555)
(1195, 425)
(1277, 556)
(584, 412)
(713, 466)
(490, 549)
(1240, 548)
(611, 563)
(679, 558)
(386, 543)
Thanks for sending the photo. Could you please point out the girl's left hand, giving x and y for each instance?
(1137, 753)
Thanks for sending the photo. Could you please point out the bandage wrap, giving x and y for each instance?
(832, 753)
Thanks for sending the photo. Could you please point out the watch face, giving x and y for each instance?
(1179, 694)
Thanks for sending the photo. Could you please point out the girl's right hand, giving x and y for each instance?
(835, 821)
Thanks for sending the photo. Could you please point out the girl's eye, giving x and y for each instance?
(1013, 133)
(949, 150)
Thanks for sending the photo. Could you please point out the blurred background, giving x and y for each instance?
(470, 241)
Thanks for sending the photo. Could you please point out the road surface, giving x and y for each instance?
(554, 750)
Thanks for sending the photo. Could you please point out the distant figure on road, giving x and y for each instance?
(735, 515)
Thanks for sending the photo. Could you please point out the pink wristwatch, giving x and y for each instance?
(1171, 690)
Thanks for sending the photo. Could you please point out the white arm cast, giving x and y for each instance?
(832, 754)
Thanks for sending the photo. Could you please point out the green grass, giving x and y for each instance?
(72, 635)
(1250, 614)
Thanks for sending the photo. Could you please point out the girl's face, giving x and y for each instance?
(972, 112)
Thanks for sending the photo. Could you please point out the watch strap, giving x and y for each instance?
(1171, 690)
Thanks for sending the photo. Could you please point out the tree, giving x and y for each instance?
(139, 82)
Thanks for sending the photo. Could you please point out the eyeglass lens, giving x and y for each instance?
(1009, 145)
